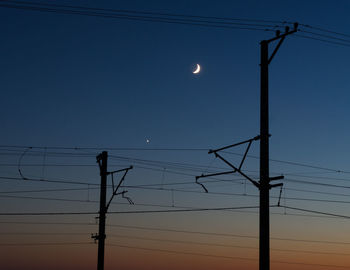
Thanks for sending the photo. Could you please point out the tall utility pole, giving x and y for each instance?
(264, 219)
(102, 160)
(263, 184)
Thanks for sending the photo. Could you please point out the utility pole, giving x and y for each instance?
(102, 160)
(263, 184)
(264, 219)
(101, 236)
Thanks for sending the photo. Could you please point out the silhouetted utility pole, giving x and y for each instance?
(263, 184)
(102, 160)
(264, 219)
(101, 236)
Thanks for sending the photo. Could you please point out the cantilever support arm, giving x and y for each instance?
(115, 190)
(255, 183)
(209, 175)
(233, 145)
(214, 174)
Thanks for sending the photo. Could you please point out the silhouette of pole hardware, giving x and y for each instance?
(237, 169)
(263, 184)
(101, 236)
(264, 216)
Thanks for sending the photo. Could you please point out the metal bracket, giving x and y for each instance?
(95, 237)
(235, 169)
(197, 177)
(115, 189)
(209, 175)
(126, 197)
(255, 183)
(281, 39)
(276, 185)
(276, 178)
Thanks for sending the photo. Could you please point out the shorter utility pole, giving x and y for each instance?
(102, 161)
(101, 236)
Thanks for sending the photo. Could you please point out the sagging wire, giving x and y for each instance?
(44, 164)
(172, 198)
(20, 161)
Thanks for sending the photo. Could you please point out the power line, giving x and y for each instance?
(293, 163)
(48, 223)
(206, 21)
(316, 212)
(224, 245)
(236, 194)
(183, 210)
(315, 183)
(181, 252)
(323, 40)
(148, 18)
(45, 244)
(174, 231)
(48, 180)
(47, 213)
(223, 257)
(225, 234)
(45, 190)
(324, 30)
(168, 149)
(127, 212)
(36, 233)
(318, 192)
(171, 206)
(150, 13)
(324, 36)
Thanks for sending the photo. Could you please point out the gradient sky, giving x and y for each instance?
(79, 81)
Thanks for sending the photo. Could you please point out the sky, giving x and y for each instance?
(73, 86)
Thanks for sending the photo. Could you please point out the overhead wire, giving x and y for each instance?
(149, 18)
(146, 228)
(126, 212)
(169, 149)
(323, 40)
(224, 257)
(148, 12)
(123, 236)
(324, 30)
(206, 21)
(45, 244)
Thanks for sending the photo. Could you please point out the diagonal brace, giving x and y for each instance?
(255, 183)
(233, 145)
(245, 155)
(276, 49)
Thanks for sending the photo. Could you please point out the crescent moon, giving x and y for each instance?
(198, 69)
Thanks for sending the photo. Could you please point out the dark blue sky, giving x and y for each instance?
(86, 81)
